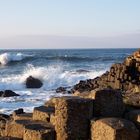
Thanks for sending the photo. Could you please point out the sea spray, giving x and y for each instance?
(6, 58)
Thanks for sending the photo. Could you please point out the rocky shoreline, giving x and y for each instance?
(104, 108)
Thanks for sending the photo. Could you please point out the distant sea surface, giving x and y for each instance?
(54, 67)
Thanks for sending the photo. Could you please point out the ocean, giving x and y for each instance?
(54, 68)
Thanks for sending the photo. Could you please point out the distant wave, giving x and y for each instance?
(6, 58)
(78, 58)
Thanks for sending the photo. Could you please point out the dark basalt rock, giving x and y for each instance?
(32, 82)
(8, 93)
(61, 90)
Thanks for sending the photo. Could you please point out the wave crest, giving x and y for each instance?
(6, 58)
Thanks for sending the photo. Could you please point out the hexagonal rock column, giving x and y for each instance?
(16, 128)
(43, 113)
(39, 132)
(108, 103)
(72, 116)
(134, 116)
(113, 129)
(24, 116)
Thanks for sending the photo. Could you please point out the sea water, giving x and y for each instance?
(54, 68)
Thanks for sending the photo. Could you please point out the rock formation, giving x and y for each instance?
(98, 113)
(122, 76)
(8, 93)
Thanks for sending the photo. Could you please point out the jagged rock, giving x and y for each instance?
(113, 129)
(72, 116)
(18, 111)
(32, 82)
(8, 93)
(108, 103)
(61, 90)
(43, 113)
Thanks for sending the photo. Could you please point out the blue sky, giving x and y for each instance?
(68, 18)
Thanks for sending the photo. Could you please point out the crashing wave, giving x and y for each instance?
(6, 58)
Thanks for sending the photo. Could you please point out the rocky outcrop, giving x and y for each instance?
(8, 93)
(32, 82)
(98, 114)
(123, 76)
(73, 118)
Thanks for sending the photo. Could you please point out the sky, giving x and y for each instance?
(69, 23)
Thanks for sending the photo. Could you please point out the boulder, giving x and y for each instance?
(8, 93)
(108, 103)
(113, 129)
(32, 82)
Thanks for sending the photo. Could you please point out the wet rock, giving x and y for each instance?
(113, 129)
(8, 93)
(32, 82)
(61, 90)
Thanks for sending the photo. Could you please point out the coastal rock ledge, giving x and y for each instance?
(89, 114)
(122, 76)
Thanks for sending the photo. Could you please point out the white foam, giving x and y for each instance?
(5, 58)
(52, 77)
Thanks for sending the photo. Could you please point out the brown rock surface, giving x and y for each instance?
(108, 103)
(113, 129)
(39, 132)
(3, 119)
(9, 138)
(16, 128)
(43, 113)
(24, 116)
(72, 116)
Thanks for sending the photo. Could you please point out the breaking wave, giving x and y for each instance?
(6, 58)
